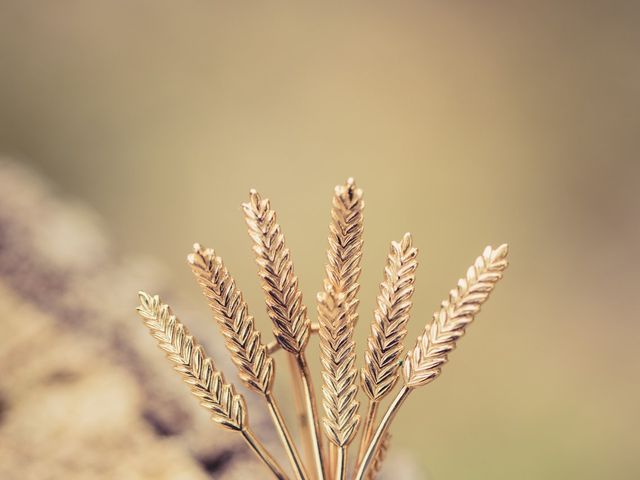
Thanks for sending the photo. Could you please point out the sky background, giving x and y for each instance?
(466, 123)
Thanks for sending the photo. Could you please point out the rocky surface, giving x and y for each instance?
(84, 391)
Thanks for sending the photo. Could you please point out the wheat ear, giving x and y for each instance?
(391, 315)
(226, 407)
(424, 362)
(207, 383)
(286, 311)
(255, 365)
(232, 315)
(388, 330)
(339, 373)
(345, 244)
(280, 285)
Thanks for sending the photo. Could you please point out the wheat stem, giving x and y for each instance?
(380, 455)
(286, 438)
(368, 428)
(380, 432)
(341, 463)
(311, 414)
(388, 330)
(263, 455)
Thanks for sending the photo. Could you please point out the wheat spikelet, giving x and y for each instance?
(381, 454)
(208, 384)
(424, 362)
(339, 373)
(388, 329)
(232, 315)
(345, 243)
(280, 285)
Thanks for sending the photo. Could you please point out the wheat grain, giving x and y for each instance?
(339, 373)
(345, 244)
(232, 315)
(280, 285)
(388, 329)
(424, 362)
(227, 407)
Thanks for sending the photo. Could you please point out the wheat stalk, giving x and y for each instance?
(286, 311)
(232, 315)
(424, 362)
(381, 455)
(388, 330)
(256, 367)
(345, 244)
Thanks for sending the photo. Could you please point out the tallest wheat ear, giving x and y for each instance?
(345, 244)
(424, 362)
(226, 407)
(286, 311)
(242, 339)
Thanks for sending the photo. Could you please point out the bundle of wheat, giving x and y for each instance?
(337, 315)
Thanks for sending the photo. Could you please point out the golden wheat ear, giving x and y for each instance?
(345, 243)
(279, 282)
(256, 368)
(391, 316)
(227, 407)
(339, 373)
(388, 330)
(424, 362)
(255, 365)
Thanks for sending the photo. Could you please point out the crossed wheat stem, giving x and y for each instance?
(326, 456)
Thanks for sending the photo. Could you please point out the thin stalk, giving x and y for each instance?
(380, 431)
(333, 452)
(312, 415)
(287, 440)
(341, 463)
(301, 410)
(263, 455)
(368, 428)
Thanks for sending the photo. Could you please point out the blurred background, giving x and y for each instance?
(132, 129)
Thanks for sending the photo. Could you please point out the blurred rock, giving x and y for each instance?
(85, 393)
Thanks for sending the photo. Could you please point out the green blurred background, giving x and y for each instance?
(466, 123)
